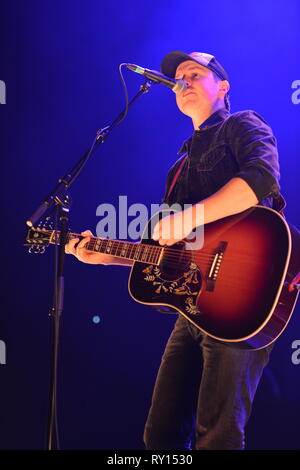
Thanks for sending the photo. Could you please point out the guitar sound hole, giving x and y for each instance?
(175, 261)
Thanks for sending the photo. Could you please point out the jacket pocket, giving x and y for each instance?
(211, 158)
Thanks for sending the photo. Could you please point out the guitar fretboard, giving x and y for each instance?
(145, 253)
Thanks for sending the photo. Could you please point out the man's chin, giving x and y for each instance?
(189, 108)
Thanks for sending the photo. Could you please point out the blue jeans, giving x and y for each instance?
(203, 393)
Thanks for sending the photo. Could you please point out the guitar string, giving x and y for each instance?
(174, 260)
(172, 253)
(116, 244)
(155, 252)
(230, 279)
(168, 255)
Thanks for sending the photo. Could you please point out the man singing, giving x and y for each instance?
(205, 388)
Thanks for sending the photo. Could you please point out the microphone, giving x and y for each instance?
(176, 85)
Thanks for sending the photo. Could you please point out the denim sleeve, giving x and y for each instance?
(254, 146)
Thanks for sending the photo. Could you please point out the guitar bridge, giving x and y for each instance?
(215, 267)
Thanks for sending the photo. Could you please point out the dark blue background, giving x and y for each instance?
(59, 60)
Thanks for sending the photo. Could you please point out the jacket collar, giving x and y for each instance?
(213, 120)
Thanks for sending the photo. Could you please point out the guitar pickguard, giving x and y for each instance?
(186, 285)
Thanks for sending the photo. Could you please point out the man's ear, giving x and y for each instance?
(224, 86)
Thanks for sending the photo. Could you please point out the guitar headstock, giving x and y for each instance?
(38, 238)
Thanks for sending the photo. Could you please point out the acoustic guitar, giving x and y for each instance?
(235, 288)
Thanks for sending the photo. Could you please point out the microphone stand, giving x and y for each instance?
(59, 200)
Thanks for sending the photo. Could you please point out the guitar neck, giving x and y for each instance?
(150, 254)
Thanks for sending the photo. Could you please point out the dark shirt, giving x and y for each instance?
(226, 146)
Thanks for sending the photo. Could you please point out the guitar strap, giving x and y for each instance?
(176, 176)
(279, 204)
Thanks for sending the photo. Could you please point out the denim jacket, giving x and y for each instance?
(226, 146)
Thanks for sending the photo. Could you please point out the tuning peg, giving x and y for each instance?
(46, 224)
(37, 249)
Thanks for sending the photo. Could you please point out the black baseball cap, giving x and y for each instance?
(171, 61)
